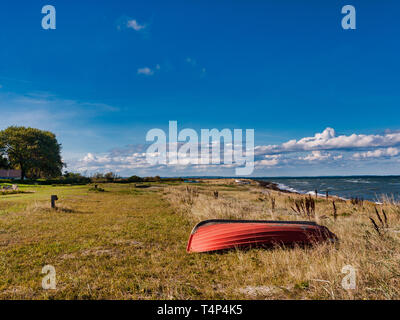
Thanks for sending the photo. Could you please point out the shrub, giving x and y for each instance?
(98, 189)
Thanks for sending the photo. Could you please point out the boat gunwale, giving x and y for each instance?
(223, 221)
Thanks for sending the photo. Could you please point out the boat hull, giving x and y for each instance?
(217, 235)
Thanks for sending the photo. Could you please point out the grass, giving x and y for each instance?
(129, 243)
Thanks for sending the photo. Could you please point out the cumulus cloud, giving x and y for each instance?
(316, 156)
(135, 158)
(149, 71)
(106, 162)
(378, 153)
(302, 153)
(137, 161)
(129, 23)
(267, 163)
(328, 140)
(133, 24)
(146, 71)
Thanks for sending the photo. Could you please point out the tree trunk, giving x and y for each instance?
(22, 172)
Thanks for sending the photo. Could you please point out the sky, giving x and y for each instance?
(321, 100)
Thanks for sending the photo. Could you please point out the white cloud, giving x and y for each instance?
(109, 162)
(146, 71)
(268, 163)
(149, 71)
(327, 140)
(133, 24)
(134, 159)
(302, 154)
(392, 152)
(378, 153)
(316, 156)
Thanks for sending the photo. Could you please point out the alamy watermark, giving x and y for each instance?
(49, 280)
(185, 148)
(49, 20)
(348, 21)
(349, 281)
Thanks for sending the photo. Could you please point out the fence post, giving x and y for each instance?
(53, 201)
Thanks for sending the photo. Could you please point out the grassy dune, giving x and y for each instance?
(129, 243)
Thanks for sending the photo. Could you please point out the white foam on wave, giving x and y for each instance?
(320, 195)
(287, 188)
(357, 181)
(313, 194)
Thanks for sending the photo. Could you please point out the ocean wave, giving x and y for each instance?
(287, 188)
(344, 188)
(357, 181)
(313, 193)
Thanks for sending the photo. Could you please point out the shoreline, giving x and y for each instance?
(275, 187)
(268, 185)
(346, 190)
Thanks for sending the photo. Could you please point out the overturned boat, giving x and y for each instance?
(217, 235)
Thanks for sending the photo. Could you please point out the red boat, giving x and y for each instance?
(215, 235)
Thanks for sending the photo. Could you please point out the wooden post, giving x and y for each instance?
(316, 193)
(334, 210)
(327, 195)
(53, 201)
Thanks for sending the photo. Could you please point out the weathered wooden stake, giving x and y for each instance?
(334, 210)
(53, 201)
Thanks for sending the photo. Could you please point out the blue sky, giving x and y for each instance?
(112, 70)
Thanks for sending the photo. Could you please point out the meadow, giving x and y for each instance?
(127, 242)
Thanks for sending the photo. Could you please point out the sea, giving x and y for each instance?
(371, 188)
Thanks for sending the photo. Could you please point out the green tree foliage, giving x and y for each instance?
(73, 178)
(110, 176)
(35, 152)
(135, 179)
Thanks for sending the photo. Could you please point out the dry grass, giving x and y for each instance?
(128, 243)
(313, 273)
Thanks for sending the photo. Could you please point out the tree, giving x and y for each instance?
(110, 176)
(135, 179)
(35, 152)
